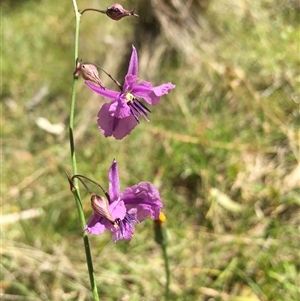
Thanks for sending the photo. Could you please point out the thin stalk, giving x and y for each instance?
(160, 235)
(167, 269)
(73, 99)
(94, 9)
(76, 192)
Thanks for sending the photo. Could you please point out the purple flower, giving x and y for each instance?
(119, 117)
(123, 210)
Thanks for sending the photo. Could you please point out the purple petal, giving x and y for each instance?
(142, 201)
(151, 94)
(125, 234)
(96, 224)
(119, 108)
(133, 63)
(117, 209)
(112, 126)
(129, 83)
(114, 183)
(125, 230)
(106, 93)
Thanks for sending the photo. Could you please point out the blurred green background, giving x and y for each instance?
(222, 148)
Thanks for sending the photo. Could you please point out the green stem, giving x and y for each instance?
(160, 235)
(76, 192)
(86, 246)
(167, 268)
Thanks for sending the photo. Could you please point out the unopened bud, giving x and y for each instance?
(117, 12)
(101, 207)
(159, 229)
(89, 72)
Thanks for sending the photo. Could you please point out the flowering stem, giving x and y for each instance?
(94, 9)
(74, 164)
(167, 267)
(160, 234)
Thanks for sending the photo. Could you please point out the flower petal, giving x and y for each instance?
(117, 209)
(106, 93)
(114, 183)
(119, 108)
(125, 229)
(112, 126)
(142, 201)
(129, 83)
(125, 234)
(151, 94)
(96, 224)
(133, 63)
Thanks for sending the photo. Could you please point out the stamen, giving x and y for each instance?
(140, 103)
(120, 224)
(139, 109)
(128, 220)
(132, 217)
(132, 112)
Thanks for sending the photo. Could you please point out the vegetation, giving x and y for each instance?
(222, 148)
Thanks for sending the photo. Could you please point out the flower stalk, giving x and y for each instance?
(119, 211)
(160, 234)
(93, 9)
(74, 188)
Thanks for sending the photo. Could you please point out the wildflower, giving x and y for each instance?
(119, 117)
(117, 12)
(121, 211)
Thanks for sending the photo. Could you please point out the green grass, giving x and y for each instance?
(223, 149)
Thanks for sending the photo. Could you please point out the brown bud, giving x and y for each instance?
(101, 207)
(89, 72)
(117, 12)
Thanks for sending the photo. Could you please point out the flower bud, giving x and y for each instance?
(117, 12)
(101, 207)
(89, 72)
(160, 234)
